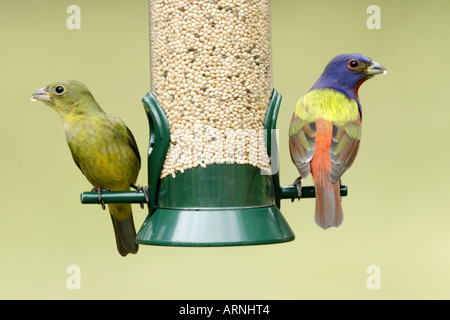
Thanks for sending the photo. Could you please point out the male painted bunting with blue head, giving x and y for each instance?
(102, 147)
(325, 131)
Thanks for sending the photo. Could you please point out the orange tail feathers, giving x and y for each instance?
(328, 205)
(328, 198)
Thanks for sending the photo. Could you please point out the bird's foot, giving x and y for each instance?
(144, 189)
(298, 184)
(100, 200)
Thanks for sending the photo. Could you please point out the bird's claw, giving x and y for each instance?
(298, 184)
(144, 189)
(100, 200)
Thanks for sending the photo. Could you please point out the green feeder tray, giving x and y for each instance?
(220, 205)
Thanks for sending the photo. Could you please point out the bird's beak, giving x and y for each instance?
(41, 95)
(375, 68)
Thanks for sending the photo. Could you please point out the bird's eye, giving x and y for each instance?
(60, 89)
(353, 64)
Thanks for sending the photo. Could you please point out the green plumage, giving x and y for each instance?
(102, 147)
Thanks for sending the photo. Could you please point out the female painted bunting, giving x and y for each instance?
(102, 147)
(325, 131)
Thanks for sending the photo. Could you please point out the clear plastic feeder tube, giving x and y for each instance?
(211, 73)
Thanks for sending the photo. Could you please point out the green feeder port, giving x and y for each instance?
(220, 205)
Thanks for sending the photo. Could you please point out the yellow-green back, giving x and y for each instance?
(328, 104)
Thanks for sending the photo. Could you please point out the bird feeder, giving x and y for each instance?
(213, 175)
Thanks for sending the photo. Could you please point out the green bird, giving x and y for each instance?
(102, 147)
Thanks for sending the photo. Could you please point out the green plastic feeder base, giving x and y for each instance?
(215, 227)
(220, 205)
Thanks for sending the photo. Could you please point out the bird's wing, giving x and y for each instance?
(130, 138)
(301, 141)
(132, 143)
(344, 147)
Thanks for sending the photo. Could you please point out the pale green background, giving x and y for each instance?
(396, 215)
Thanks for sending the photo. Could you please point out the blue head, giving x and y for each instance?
(346, 73)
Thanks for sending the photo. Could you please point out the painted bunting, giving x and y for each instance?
(102, 147)
(325, 131)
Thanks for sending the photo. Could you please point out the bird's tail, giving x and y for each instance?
(122, 220)
(328, 204)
